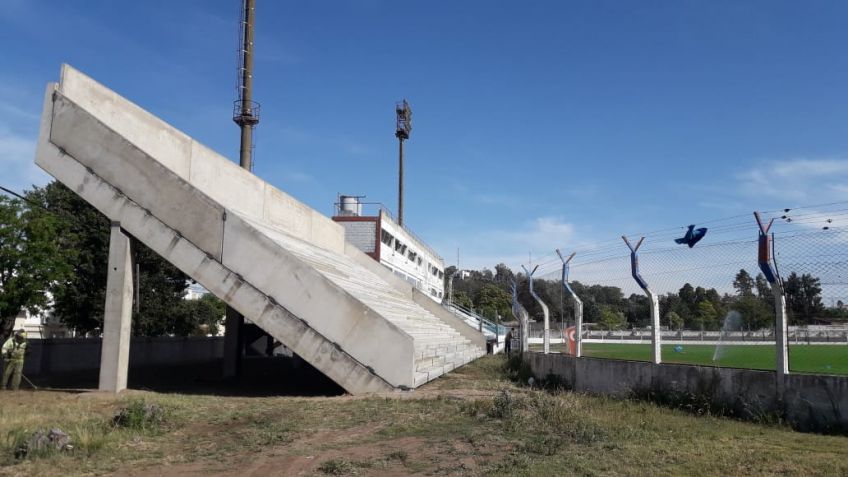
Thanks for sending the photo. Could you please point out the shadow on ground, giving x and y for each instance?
(261, 376)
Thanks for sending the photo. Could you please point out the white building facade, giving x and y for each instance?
(395, 246)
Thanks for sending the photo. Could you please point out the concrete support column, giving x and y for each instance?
(578, 305)
(117, 314)
(781, 333)
(578, 328)
(765, 260)
(523, 318)
(656, 331)
(233, 344)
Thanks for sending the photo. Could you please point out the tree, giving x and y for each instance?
(764, 292)
(754, 312)
(687, 297)
(611, 319)
(638, 310)
(491, 300)
(80, 296)
(162, 288)
(803, 297)
(674, 321)
(32, 258)
(707, 316)
(503, 275)
(199, 317)
(744, 284)
(461, 299)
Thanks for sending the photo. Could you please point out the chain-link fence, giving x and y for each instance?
(716, 307)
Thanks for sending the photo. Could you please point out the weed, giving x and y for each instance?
(477, 407)
(338, 467)
(561, 415)
(398, 455)
(511, 464)
(542, 444)
(502, 405)
(15, 440)
(517, 370)
(139, 416)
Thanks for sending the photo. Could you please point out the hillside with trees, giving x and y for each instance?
(606, 307)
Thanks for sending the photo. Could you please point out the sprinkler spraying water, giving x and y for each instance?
(732, 322)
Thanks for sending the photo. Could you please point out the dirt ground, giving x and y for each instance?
(477, 420)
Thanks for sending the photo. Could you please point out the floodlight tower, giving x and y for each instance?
(245, 110)
(404, 127)
(246, 115)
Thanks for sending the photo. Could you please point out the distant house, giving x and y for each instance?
(195, 291)
(42, 325)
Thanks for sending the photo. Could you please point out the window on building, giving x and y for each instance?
(386, 238)
(400, 247)
(412, 255)
(419, 261)
(441, 274)
(440, 294)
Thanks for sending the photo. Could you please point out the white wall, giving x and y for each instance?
(421, 275)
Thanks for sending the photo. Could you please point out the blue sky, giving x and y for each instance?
(536, 124)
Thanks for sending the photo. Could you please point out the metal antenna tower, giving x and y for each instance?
(404, 127)
(245, 110)
(246, 115)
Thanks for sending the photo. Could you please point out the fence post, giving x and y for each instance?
(656, 350)
(547, 336)
(578, 305)
(765, 260)
(520, 314)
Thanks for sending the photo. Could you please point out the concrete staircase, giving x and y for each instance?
(439, 348)
(283, 265)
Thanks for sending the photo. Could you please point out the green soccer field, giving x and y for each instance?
(822, 359)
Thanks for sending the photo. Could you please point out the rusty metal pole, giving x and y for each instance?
(246, 116)
(400, 181)
(404, 126)
(248, 119)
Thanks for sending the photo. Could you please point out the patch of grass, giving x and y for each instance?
(470, 428)
(826, 359)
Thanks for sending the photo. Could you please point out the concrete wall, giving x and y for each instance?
(362, 234)
(62, 355)
(808, 402)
